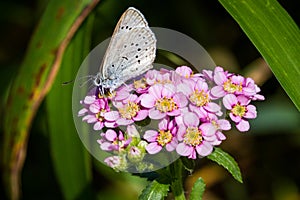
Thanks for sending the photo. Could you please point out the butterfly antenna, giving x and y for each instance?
(87, 76)
(85, 82)
(67, 82)
(91, 86)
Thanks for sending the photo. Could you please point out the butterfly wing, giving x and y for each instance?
(141, 54)
(131, 50)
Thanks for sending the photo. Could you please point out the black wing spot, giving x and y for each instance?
(146, 42)
(139, 61)
(125, 46)
(132, 44)
(112, 65)
(136, 44)
(136, 56)
(122, 27)
(124, 57)
(139, 49)
(126, 27)
(130, 28)
(146, 49)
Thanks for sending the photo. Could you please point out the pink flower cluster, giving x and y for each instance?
(189, 110)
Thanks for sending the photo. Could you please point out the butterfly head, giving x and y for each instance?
(98, 80)
(106, 86)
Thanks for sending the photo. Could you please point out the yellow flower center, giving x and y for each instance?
(215, 124)
(239, 110)
(164, 137)
(140, 84)
(193, 136)
(165, 104)
(166, 81)
(199, 98)
(99, 115)
(108, 94)
(120, 143)
(129, 110)
(230, 87)
(189, 75)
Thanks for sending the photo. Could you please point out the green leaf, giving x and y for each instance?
(198, 190)
(275, 35)
(155, 191)
(224, 159)
(41, 63)
(188, 164)
(71, 161)
(176, 175)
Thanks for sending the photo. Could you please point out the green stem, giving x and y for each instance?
(177, 179)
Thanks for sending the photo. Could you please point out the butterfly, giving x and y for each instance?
(130, 53)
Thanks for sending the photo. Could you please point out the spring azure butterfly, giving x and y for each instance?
(130, 53)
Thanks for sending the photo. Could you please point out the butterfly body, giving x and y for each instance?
(130, 53)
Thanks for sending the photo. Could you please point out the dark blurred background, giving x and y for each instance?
(268, 154)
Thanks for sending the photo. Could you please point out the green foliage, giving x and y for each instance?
(71, 160)
(188, 164)
(225, 160)
(198, 190)
(275, 35)
(155, 191)
(58, 24)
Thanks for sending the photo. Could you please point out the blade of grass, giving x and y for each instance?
(275, 35)
(58, 24)
(71, 161)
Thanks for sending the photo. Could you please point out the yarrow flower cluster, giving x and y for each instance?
(188, 110)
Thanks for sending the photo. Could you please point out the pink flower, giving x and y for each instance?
(161, 77)
(128, 112)
(118, 163)
(183, 106)
(184, 71)
(199, 96)
(240, 111)
(111, 141)
(132, 131)
(251, 89)
(217, 125)
(122, 93)
(195, 139)
(140, 86)
(207, 75)
(163, 100)
(164, 137)
(94, 111)
(226, 83)
(234, 84)
(184, 74)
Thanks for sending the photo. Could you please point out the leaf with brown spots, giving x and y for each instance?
(59, 22)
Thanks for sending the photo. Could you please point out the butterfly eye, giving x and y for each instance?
(97, 81)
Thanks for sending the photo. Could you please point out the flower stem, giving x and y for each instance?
(177, 185)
